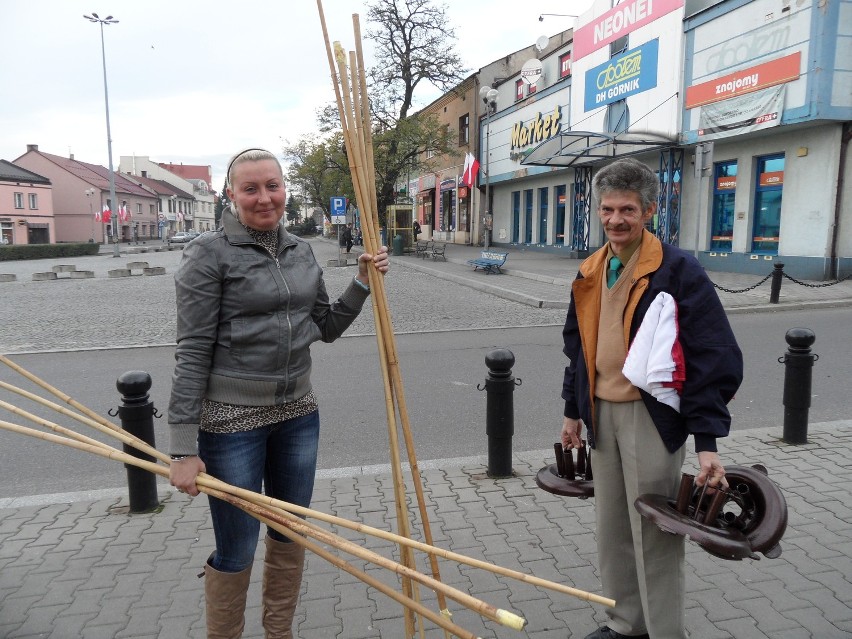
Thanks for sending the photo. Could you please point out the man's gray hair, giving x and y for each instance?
(627, 175)
(250, 155)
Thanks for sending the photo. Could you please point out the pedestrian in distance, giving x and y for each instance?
(415, 229)
(633, 285)
(346, 237)
(250, 302)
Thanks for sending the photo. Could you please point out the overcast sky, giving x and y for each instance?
(196, 80)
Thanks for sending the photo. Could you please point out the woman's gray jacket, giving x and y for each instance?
(245, 323)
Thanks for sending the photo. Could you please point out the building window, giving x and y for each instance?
(533, 88)
(516, 217)
(430, 153)
(543, 206)
(519, 90)
(464, 130)
(139, 208)
(19, 200)
(565, 65)
(617, 117)
(33, 198)
(560, 214)
(528, 215)
(152, 209)
(767, 204)
(724, 191)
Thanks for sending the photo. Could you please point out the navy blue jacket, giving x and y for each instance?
(714, 363)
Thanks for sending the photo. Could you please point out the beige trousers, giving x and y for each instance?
(642, 568)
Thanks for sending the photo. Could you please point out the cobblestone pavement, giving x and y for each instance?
(87, 569)
(140, 310)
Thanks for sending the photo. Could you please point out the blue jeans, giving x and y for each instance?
(282, 457)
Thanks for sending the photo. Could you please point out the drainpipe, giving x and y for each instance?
(845, 136)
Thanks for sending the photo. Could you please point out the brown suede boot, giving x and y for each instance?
(282, 578)
(225, 595)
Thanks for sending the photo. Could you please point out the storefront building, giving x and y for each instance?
(768, 95)
(750, 142)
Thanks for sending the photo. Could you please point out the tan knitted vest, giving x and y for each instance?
(610, 384)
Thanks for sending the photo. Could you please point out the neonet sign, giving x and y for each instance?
(538, 129)
(619, 21)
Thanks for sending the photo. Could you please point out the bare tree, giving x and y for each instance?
(414, 45)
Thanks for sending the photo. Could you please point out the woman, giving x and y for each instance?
(250, 301)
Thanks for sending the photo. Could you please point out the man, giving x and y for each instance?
(346, 237)
(638, 440)
(415, 229)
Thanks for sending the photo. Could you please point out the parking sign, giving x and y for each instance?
(338, 210)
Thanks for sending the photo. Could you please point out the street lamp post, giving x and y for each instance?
(489, 97)
(558, 15)
(112, 206)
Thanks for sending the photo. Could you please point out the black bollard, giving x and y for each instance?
(137, 418)
(500, 411)
(775, 291)
(798, 372)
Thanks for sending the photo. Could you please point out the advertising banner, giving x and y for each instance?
(749, 112)
(627, 74)
(619, 21)
(748, 80)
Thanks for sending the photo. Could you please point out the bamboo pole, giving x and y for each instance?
(57, 393)
(354, 144)
(112, 430)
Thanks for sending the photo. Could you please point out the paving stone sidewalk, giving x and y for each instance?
(88, 569)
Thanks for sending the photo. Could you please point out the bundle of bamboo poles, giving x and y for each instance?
(350, 90)
(284, 517)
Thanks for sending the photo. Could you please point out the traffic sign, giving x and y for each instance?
(338, 210)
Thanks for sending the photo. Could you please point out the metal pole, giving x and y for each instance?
(487, 239)
(798, 372)
(775, 290)
(500, 412)
(137, 418)
(112, 207)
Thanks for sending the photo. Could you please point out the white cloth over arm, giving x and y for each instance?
(655, 359)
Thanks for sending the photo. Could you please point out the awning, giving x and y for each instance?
(578, 148)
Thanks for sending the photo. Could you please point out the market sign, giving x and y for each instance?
(743, 81)
(619, 21)
(537, 130)
(624, 75)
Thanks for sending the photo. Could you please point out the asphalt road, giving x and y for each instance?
(441, 371)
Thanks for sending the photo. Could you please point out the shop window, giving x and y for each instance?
(767, 204)
(516, 217)
(528, 216)
(560, 213)
(519, 90)
(19, 200)
(724, 191)
(565, 65)
(543, 204)
(33, 198)
(464, 130)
